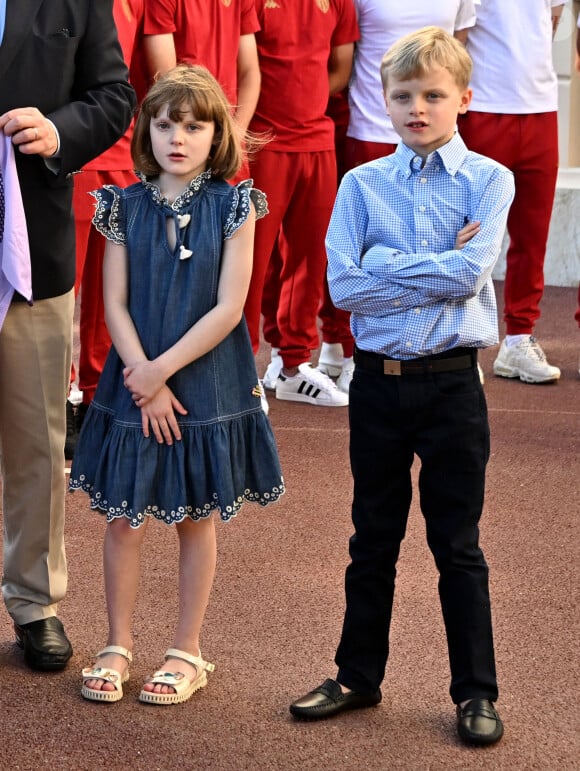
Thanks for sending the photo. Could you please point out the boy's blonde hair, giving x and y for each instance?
(193, 86)
(415, 55)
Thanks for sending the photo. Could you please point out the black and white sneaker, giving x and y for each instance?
(310, 386)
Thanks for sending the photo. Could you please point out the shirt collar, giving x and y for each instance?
(451, 155)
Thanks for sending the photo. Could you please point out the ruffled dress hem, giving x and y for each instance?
(97, 503)
(215, 467)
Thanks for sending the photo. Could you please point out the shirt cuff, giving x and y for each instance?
(53, 163)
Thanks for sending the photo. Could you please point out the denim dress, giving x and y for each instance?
(227, 453)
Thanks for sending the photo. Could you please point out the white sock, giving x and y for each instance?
(515, 339)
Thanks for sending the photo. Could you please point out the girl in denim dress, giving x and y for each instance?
(176, 430)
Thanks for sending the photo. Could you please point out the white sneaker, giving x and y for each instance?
(525, 360)
(310, 386)
(330, 359)
(273, 370)
(75, 396)
(346, 373)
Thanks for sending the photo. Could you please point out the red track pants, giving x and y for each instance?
(289, 254)
(528, 145)
(90, 247)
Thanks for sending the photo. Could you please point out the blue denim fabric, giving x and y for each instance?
(227, 453)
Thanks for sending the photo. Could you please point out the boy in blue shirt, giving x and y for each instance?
(411, 246)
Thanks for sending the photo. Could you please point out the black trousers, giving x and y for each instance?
(441, 418)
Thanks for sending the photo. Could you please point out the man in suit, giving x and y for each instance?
(64, 98)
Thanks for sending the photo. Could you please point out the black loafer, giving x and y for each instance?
(479, 723)
(45, 644)
(328, 700)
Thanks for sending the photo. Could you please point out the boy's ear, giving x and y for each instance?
(465, 100)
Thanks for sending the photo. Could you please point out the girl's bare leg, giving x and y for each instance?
(122, 568)
(197, 560)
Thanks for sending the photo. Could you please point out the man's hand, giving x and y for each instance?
(31, 132)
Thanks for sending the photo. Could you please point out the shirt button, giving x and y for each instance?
(424, 242)
(417, 310)
(423, 180)
(408, 344)
(397, 303)
(422, 208)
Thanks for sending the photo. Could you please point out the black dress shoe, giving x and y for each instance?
(479, 723)
(328, 700)
(45, 644)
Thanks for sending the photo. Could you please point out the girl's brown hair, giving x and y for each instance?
(193, 86)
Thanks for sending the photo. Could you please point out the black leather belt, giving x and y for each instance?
(449, 361)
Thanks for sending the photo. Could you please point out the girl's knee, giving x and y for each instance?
(121, 530)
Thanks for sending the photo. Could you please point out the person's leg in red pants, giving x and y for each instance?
(300, 203)
(528, 145)
(303, 257)
(337, 341)
(577, 316)
(83, 206)
(273, 174)
(336, 355)
(94, 336)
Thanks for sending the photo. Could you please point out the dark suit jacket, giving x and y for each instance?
(63, 57)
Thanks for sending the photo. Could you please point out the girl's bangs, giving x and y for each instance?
(180, 97)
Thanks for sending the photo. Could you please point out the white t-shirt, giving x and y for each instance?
(511, 48)
(381, 23)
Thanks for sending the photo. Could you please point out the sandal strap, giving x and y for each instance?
(167, 678)
(107, 674)
(124, 652)
(196, 661)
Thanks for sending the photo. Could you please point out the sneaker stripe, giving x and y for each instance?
(308, 389)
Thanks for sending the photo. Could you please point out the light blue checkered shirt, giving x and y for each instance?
(391, 256)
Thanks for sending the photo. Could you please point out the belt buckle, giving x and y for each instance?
(391, 367)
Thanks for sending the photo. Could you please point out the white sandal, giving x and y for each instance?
(182, 687)
(107, 675)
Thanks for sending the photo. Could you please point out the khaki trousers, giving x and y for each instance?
(35, 361)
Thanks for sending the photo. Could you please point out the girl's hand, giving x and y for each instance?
(158, 414)
(143, 380)
(466, 234)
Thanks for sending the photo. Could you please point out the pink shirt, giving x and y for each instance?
(15, 273)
